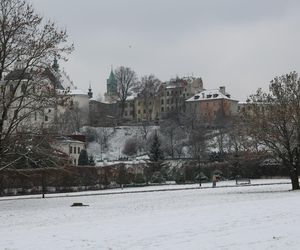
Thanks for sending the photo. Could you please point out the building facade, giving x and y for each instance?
(212, 106)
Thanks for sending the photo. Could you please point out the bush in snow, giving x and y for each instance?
(130, 147)
(139, 178)
(180, 178)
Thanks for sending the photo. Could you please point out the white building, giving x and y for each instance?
(70, 147)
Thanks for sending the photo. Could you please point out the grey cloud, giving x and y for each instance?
(240, 43)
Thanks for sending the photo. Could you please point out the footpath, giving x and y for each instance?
(150, 189)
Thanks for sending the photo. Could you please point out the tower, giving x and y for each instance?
(111, 84)
(111, 94)
(90, 93)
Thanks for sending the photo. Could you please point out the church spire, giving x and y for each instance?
(90, 93)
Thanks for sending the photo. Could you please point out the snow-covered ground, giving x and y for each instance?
(249, 217)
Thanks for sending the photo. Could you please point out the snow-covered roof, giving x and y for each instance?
(131, 97)
(213, 94)
(171, 87)
(95, 99)
(77, 92)
(66, 140)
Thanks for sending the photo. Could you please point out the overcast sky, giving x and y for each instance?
(241, 44)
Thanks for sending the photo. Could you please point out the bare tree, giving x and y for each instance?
(126, 80)
(28, 43)
(274, 121)
(72, 119)
(102, 137)
(147, 90)
(174, 136)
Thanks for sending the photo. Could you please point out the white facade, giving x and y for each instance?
(70, 147)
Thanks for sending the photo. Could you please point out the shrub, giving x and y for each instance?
(130, 147)
(157, 177)
(179, 179)
(139, 178)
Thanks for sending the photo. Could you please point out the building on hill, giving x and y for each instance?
(41, 97)
(173, 94)
(103, 114)
(168, 98)
(212, 106)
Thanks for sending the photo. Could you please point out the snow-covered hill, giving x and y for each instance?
(116, 139)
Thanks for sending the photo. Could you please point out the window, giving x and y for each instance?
(168, 93)
(162, 101)
(144, 111)
(71, 150)
(162, 109)
(78, 150)
(46, 118)
(125, 113)
(74, 161)
(168, 101)
(139, 111)
(35, 116)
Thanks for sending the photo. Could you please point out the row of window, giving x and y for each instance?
(175, 92)
(74, 150)
(168, 109)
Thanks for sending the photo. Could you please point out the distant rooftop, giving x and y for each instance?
(213, 94)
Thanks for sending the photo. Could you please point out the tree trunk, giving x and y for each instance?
(43, 185)
(294, 178)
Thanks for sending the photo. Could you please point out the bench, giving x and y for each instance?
(243, 181)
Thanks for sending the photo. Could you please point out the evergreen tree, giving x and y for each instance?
(156, 153)
(83, 159)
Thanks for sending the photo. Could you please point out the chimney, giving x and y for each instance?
(222, 90)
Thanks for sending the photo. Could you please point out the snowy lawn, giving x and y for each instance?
(256, 217)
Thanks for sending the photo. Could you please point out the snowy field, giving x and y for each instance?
(251, 217)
